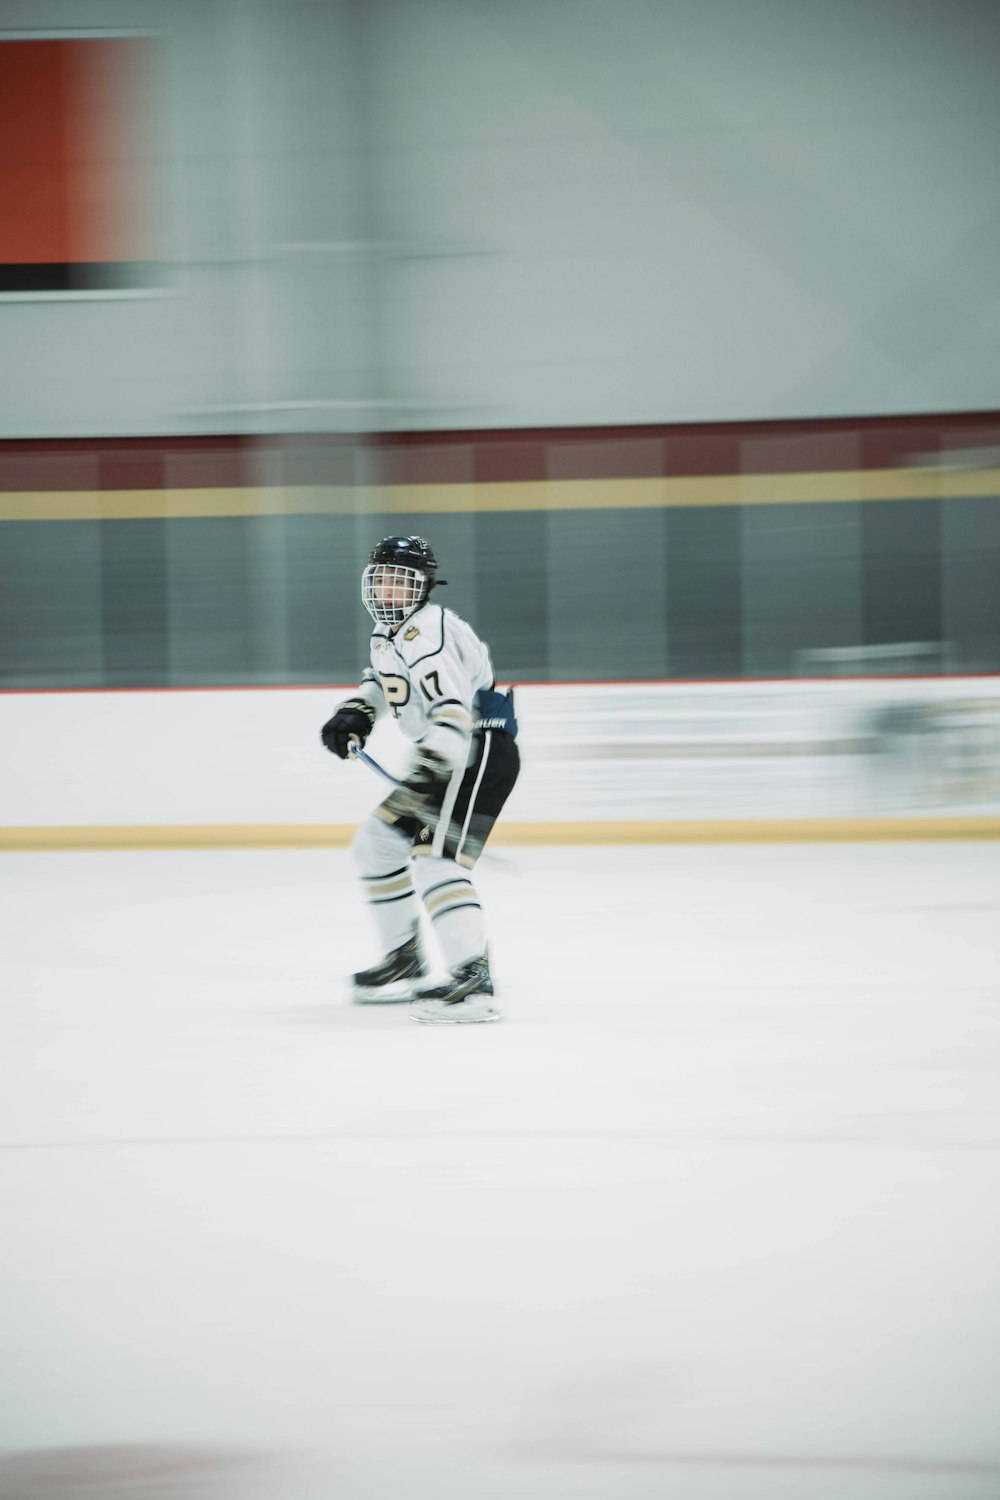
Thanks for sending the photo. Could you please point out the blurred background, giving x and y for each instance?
(675, 327)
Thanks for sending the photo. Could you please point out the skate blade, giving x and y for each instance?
(461, 1013)
(385, 994)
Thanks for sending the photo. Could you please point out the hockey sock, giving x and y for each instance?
(382, 857)
(452, 904)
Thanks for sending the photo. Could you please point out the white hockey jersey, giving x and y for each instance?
(427, 676)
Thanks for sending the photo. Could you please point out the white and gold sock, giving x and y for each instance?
(452, 903)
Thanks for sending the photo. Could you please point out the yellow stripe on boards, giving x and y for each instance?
(181, 836)
(339, 835)
(750, 831)
(534, 495)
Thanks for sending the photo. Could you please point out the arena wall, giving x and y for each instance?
(722, 551)
(437, 216)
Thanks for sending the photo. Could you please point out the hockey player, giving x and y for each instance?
(431, 671)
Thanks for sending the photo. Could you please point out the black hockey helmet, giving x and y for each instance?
(406, 552)
(399, 577)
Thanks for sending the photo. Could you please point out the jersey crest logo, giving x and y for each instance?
(411, 634)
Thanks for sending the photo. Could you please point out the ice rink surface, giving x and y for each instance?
(714, 1214)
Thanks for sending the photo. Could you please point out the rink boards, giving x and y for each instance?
(602, 763)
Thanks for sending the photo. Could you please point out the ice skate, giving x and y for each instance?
(466, 996)
(392, 980)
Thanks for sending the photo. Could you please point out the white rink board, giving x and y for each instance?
(591, 753)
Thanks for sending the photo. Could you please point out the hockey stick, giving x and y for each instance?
(373, 765)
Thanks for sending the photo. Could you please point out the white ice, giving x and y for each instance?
(712, 1215)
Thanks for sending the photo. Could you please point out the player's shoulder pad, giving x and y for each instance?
(422, 635)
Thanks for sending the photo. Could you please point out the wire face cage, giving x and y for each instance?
(391, 592)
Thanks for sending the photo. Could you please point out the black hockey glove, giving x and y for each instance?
(352, 721)
(423, 790)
